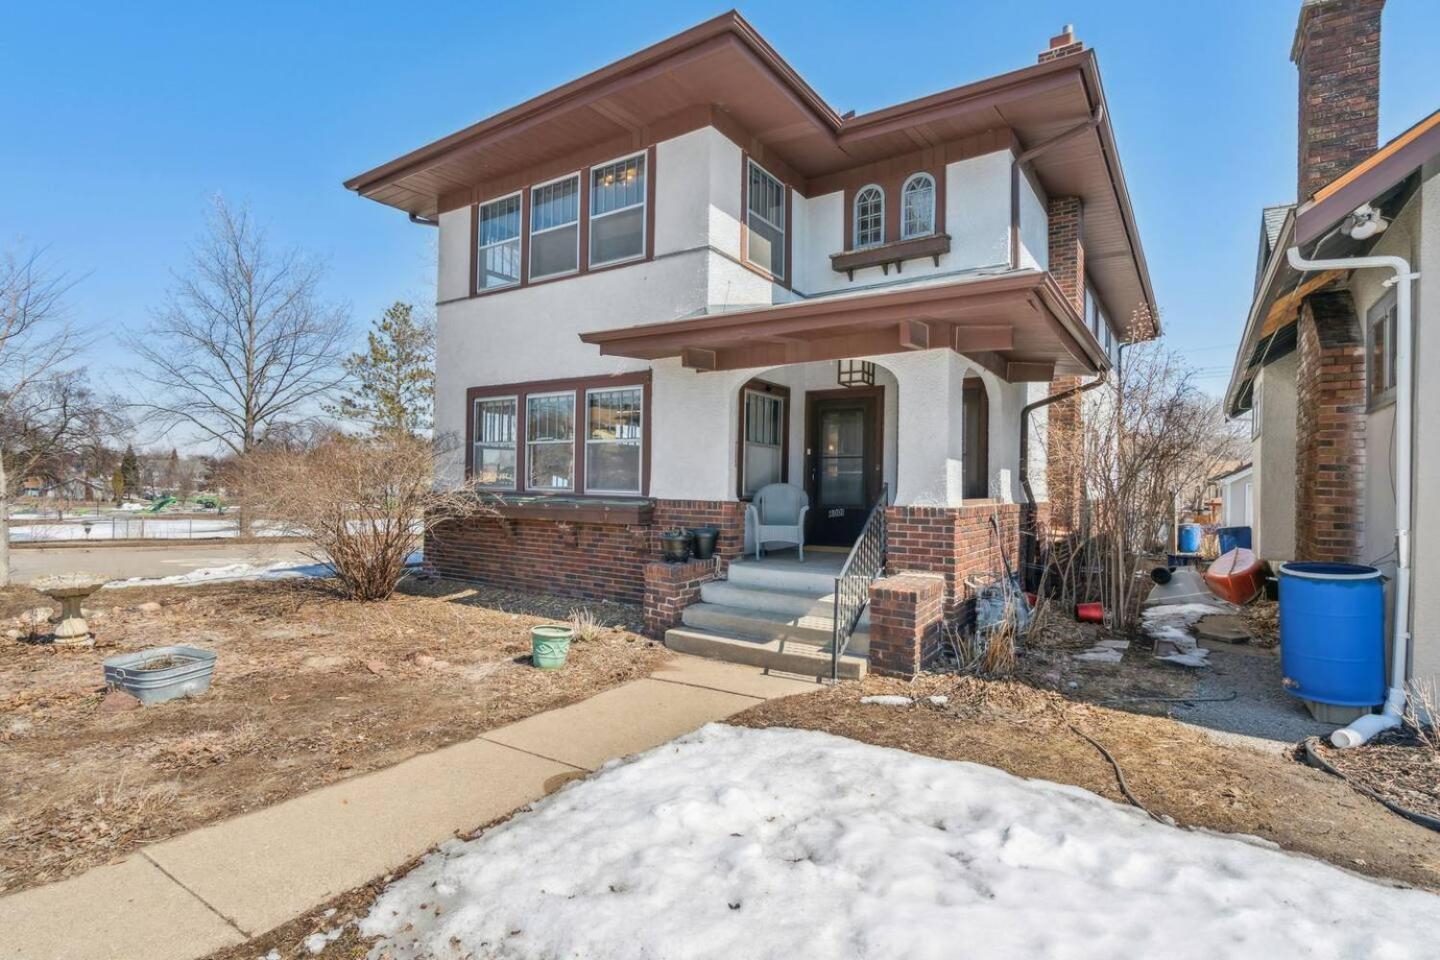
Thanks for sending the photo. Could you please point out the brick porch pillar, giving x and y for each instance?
(669, 589)
(906, 614)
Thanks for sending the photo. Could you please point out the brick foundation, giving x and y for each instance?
(907, 612)
(670, 588)
(1330, 431)
(952, 542)
(586, 560)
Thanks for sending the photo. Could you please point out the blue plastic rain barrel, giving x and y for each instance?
(1332, 626)
(1232, 537)
(1189, 538)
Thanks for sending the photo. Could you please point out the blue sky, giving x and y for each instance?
(121, 119)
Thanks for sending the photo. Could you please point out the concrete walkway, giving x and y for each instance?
(222, 884)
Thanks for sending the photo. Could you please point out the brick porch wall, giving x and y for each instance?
(953, 542)
(907, 613)
(1330, 431)
(591, 561)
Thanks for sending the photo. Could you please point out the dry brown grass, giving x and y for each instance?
(309, 689)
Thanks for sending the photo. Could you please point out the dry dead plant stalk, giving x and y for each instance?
(585, 626)
(364, 503)
(1422, 715)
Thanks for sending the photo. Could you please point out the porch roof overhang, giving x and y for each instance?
(1019, 325)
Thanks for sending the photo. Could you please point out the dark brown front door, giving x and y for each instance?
(842, 445)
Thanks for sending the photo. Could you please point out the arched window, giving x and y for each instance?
(869, 217)
(917, 206)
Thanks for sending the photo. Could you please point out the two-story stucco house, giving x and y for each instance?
(684, 277)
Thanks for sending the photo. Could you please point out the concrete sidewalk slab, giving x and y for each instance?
(264, 868)
(124, 911)
(732, 678)
(621, 721)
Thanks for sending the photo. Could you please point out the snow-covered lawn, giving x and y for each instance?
(786, 844)
(147, 528)
(231, 572)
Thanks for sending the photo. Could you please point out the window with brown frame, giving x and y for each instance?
(581, 437)
(1380, 352)
(764, 448)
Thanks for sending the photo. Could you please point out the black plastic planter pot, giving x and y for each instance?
(704, 542)
(675, 547)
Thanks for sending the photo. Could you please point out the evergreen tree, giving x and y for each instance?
(392, 384)
(117, 485)
(130, 471)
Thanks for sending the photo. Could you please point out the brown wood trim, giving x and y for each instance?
(578, 385)
(475, 248)
(757, 385)
(872, 485)
(891, 254)
(1014, 214)
(582, 256)
(650, 202)
(574, 509)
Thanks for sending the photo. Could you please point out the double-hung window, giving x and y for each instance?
(764, 450)
(617, 211)
(555, 228)
(550, 441)
(869, 217)
(917, 199)
(614, 430)
(765, 217)
(493, 458)
(1380, 351)
(499, 241)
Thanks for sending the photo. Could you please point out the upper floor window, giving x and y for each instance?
(869, 217)
(499, 240)
(765, 216)
(917, 199)
(1380, 351)
(555, 227)
(617, 211)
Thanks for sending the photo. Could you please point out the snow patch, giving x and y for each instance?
(777, 844)
(888, 700)
(231, 572)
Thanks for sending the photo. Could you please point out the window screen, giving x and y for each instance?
(493, 461)
(766, 220)
(555, 228)
(499, 238)
(617, 211)
(613, 439)
(550, 441)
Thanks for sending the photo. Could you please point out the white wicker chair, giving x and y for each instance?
(777, 515)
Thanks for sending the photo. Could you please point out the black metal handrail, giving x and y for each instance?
(852, 587)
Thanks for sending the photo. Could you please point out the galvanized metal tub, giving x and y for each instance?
(188, 676)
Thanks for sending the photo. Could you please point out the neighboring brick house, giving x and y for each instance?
(1316, 371)
(685, 276)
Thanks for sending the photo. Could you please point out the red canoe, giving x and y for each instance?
(1237, 576)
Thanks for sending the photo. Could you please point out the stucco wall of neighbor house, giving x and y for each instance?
(1425, 522)
(1272, 455)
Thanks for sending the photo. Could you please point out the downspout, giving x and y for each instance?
(423, 221)
(1371, 724)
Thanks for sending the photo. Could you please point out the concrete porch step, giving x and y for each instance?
(751, 624)
(788, 656)
(815, 576)
(731, 594)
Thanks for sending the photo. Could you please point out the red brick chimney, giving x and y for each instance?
(1062, 44)
(1337, 50)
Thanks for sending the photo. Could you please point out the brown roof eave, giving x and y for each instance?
(727, 24)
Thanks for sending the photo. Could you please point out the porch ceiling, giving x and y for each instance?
(1018, 325)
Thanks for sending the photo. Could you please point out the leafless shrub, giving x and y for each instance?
(365, 503)
(585, 626)
(1147, 437)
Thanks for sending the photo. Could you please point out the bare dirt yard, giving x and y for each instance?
(309, 689)
(1173, 770)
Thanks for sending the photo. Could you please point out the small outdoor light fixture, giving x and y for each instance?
(855, 373)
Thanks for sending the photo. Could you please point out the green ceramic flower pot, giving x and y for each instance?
(549, 643)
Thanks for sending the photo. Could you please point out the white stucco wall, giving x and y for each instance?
(1415, 236)
(1034, 226)
(1425, 607)
(977, 218)
(453, 271)
(1272, 455)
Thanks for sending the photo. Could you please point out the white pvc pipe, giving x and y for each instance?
(1366, 727)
